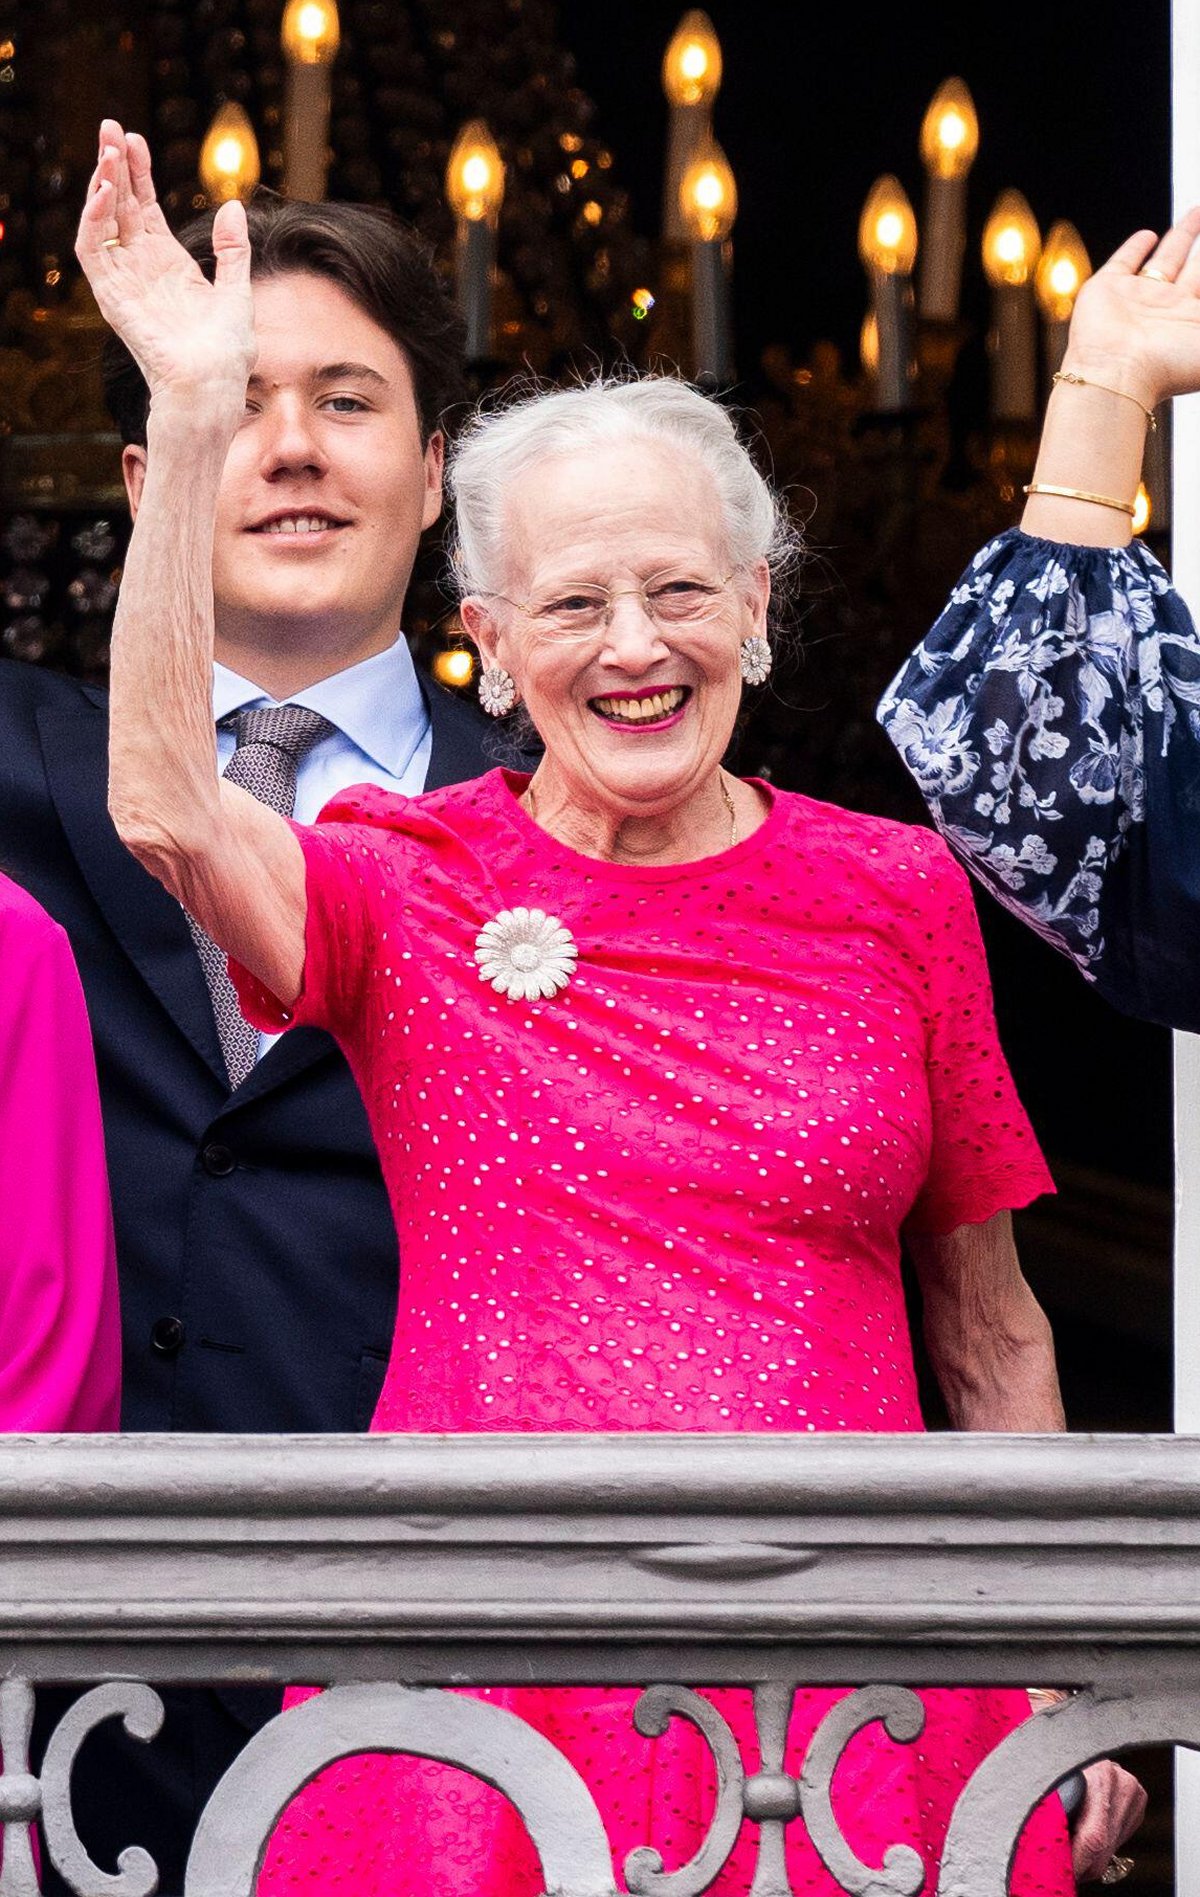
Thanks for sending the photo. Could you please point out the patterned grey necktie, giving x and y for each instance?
(270, 744)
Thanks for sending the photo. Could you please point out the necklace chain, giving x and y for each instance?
(726, 799)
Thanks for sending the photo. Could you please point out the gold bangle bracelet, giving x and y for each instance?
(1082, 382)
(1080, 494)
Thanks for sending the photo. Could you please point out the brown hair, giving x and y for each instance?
(383, 267)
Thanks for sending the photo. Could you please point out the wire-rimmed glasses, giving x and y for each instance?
(668, 599)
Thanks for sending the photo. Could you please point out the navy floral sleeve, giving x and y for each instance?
(1052, 721)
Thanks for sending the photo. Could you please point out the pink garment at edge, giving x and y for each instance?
(60, 1339)
(669, 1198)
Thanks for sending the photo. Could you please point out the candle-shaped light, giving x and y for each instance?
(887, 244)
(708, 207)
(475, 188)
(1011, 247)
(1143, 510)
(949, 143)
(229, 165)
(310, 34)
(691, 77)
(868, 344)
(1063, 267)
(454, 665)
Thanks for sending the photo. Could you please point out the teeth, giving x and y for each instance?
(297, 524)
(641, 711)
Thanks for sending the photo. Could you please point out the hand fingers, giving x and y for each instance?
(1112, 1810)
(231, 243)
(1135, 1809)
(142, 179)
(1128, 260)
(1172, 253)
(97, 225)
(1189, 274)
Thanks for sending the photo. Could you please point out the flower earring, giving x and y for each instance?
(497, 691)
(756, 660)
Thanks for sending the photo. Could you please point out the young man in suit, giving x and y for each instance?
(257, 1255)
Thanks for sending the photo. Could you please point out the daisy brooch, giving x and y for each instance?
(525, 954)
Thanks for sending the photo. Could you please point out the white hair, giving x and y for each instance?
(500, 445)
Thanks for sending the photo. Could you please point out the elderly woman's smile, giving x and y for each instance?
(651, 710)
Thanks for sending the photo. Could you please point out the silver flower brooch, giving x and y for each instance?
(525, 954)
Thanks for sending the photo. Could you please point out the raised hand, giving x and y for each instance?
(188, 336)
(1140, 314)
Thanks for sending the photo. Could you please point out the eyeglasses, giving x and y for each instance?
(667, 599)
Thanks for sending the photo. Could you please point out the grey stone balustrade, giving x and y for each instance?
(393, 1566)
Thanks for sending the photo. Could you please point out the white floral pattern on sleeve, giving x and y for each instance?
(1055, 679)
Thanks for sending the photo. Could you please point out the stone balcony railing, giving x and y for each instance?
(393, 1566)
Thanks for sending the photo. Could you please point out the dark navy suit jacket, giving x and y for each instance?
(256, 1248)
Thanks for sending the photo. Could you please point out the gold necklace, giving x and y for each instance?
(728, 802)
(726, 799)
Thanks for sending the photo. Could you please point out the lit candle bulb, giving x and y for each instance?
(475, 188)
(1064, 266)
(691, 77)
(868, 344)
(455, 665)
(887, 244)
(708, 207)
(1011, 247)
(229, 165)
(311, 34)
(949, 143)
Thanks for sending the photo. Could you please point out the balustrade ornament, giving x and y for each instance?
(598, 1561)
(552, 1799)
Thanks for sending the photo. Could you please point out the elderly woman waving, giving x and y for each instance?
(659, 1062)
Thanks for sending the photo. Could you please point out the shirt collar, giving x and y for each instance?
(377, 703)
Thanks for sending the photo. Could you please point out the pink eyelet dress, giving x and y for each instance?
(667, 1197)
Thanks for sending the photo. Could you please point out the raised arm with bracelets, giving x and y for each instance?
(233, 863)
(1051, 717)
(1134, 342)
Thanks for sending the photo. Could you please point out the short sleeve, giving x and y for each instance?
(1051, 719)
(348, 868)
(984, 1157)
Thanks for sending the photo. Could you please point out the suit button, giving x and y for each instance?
(218, 1160)
(166, 1336)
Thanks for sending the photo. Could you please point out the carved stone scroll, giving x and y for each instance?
(902, 1873)
(644, 1871)
(993, 1809)
(553, 1801)
(141, 1710)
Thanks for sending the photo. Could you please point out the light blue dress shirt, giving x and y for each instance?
(382, 732)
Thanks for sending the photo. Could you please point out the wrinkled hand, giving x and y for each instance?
(1143, 331)
(186, 335)
(1113, 1808)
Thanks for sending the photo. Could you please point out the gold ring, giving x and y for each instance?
(1116, 1870)
(1157, 276)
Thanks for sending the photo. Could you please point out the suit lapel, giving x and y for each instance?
(147, 922)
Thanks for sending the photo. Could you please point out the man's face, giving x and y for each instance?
(326, 487)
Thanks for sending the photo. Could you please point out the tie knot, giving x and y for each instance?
(291, 729)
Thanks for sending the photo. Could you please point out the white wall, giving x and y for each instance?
(1185, 87)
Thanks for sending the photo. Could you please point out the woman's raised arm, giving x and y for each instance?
(235, 865)
(1134, 341)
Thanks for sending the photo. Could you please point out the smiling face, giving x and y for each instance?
(326, 487)
(635, 715)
